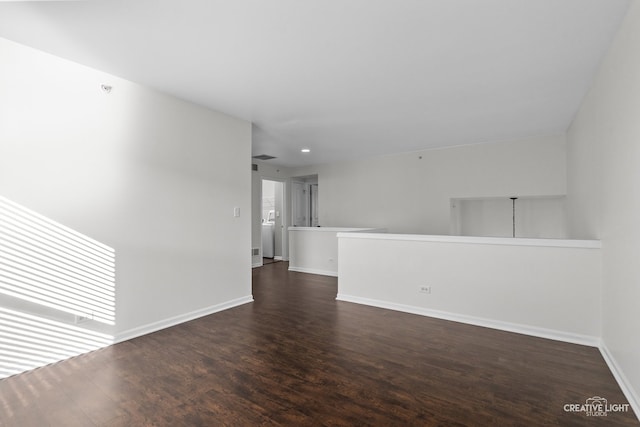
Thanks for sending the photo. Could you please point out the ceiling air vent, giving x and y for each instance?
(264, 157)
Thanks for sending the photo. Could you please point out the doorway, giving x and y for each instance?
(273, 221)
(304, 201)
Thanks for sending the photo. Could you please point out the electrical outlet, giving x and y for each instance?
(81, 319)
(424, 289)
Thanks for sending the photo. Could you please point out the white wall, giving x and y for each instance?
(315, 249)
(410, 193)
(497, 282)
(603, 190)
(151, 176)
(584, 173)
(535, 217)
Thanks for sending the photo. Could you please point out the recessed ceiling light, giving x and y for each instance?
(306, 150)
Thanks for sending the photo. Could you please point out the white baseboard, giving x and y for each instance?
(314, 271)
(257, 264)
(172, 321)
(277, 258)
(623, 382)
(478, 321)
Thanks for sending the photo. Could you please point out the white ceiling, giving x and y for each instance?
(346, 78)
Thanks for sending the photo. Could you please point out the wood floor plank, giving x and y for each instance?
(298, 357)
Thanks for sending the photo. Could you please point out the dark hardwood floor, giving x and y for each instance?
(297, 357)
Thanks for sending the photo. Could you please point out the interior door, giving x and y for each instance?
(314, 205)
(299, 205)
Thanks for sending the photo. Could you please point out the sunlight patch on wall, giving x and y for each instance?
(28, 342)
(46, 264)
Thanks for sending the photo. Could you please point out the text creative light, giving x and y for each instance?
(47, 264)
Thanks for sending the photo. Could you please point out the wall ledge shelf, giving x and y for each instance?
(508, 241)
(337, 229)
